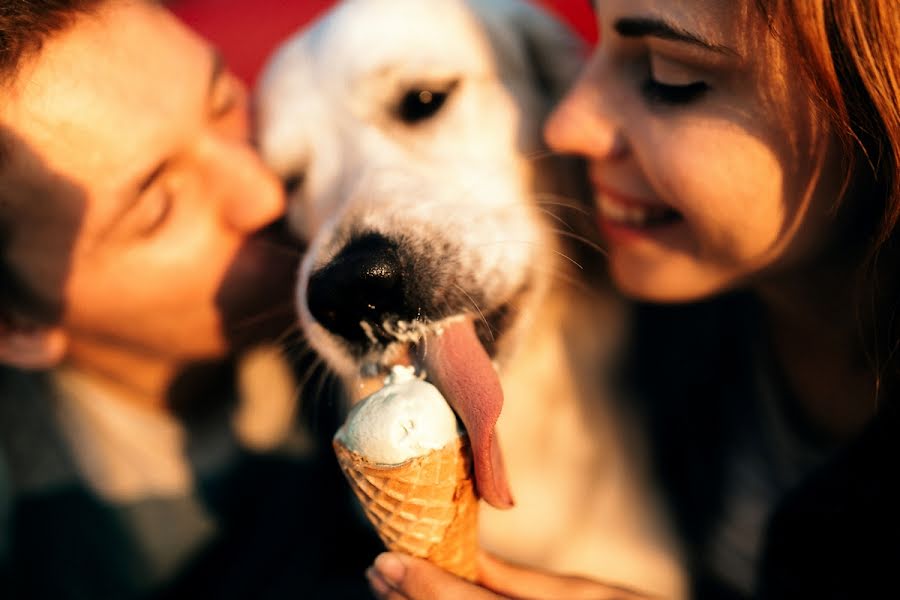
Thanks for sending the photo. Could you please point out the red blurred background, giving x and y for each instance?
(247, 31)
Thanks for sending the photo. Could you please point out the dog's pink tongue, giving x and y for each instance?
(461, 369)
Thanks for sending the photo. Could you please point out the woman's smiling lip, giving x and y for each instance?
(624, 218)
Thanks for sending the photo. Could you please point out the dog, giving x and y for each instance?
(408, 137)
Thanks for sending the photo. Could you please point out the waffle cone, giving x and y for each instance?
(425, 506)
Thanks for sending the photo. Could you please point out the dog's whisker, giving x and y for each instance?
(568, 258)
(533, 243)
(264, 316)
(553, 250)
(548, 199)
(294, 329)
(299, 345)
(481, 314)
(285, 345)
(301, 383)
(310, 369)
(468, 191)
(560, 197)
(586, 241)
(317, 368)
(563, 277)
(294, 251)
(556, 218)
(470, 196)
(325, 376)
(538, 154)
(322, 377)
(544, 153)
(299, 357)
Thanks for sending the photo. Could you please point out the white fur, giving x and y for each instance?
(460, 189)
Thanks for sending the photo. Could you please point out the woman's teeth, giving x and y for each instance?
(634, 215)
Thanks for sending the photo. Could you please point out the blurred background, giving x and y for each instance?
(247, 31)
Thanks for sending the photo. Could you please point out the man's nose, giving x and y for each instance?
(252, 196)
(583, 124)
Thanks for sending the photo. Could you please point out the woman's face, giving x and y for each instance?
(710, 165)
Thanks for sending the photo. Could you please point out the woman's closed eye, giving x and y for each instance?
(671, 83)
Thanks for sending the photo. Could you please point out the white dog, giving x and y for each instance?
(408, 135)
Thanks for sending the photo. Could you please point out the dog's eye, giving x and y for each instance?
(292, 183)
(419, 104)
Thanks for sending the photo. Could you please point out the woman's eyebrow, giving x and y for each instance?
(648, 27)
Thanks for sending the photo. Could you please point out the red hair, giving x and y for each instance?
(850, 50)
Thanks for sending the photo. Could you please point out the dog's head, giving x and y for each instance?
(408, 137)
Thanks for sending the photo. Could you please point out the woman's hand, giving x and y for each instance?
(396, 576)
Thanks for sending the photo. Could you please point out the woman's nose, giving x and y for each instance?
(583, 124)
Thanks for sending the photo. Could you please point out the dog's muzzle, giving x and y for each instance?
(361, 289)
(370, 288)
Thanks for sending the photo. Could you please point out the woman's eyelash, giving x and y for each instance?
(663, 93)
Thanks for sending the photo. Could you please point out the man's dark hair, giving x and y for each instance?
(24, 27)
(26, 24)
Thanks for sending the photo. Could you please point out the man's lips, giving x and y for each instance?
(461, 369)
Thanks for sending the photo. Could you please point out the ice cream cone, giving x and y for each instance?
(425, 506)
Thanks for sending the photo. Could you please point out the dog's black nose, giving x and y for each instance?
(363, 283)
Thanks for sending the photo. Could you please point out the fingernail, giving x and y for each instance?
(379, 586)
(390, 568)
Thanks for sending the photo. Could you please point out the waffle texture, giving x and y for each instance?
(425, 506)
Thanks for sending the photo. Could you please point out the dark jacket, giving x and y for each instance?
(273, 525)
(836, 534)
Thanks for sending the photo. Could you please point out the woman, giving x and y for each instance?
(744, 157)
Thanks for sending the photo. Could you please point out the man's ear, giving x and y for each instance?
(34, 348)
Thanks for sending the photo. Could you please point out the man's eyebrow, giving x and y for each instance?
(644, 27)
(217, 69)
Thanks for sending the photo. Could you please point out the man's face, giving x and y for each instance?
(134, 196)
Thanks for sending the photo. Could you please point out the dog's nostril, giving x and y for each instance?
(363, 283)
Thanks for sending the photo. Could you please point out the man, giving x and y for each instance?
(137, 258)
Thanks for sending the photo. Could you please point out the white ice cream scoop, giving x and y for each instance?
(405, 419)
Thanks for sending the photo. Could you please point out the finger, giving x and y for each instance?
(416, 579)
(381, 588)
(526, 583)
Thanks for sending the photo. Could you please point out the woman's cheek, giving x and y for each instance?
(729, 186)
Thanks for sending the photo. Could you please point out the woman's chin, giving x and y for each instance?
(662, 285)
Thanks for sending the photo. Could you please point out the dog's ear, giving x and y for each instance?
(555, 52)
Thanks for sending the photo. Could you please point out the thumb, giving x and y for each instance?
(396, 576)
